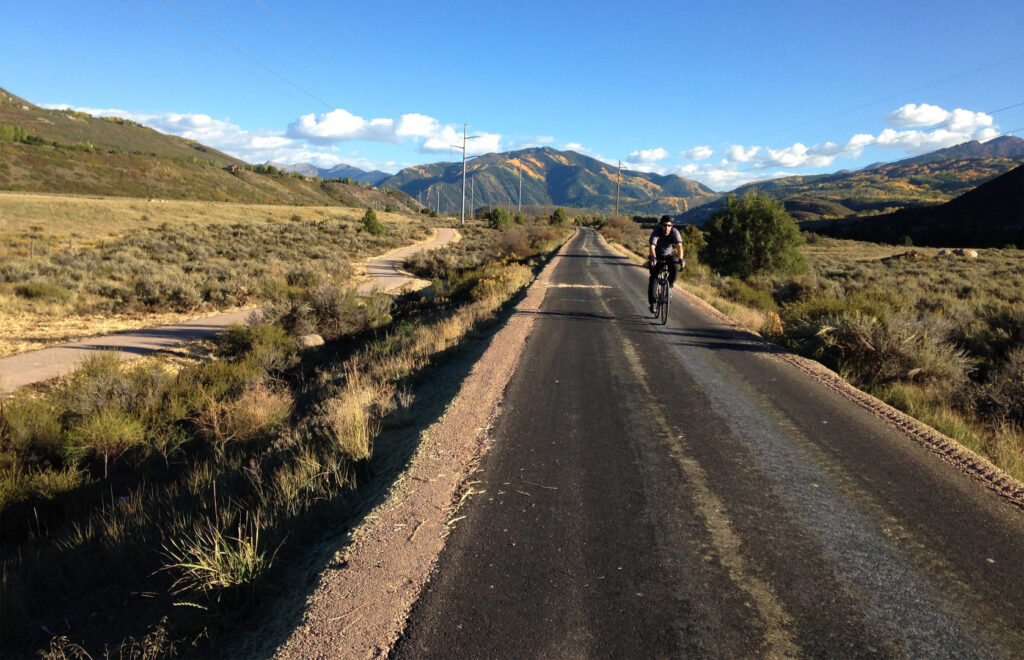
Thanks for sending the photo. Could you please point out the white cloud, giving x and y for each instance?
(697, 153)
(956, 121)
(912, 114)
(648, 155)
(576, 146)
(737, 154)
(544, 139)
(340, 125)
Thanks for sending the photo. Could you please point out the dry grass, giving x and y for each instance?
(89, 219)
(59, 290)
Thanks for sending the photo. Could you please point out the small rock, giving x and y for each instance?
(309, 341)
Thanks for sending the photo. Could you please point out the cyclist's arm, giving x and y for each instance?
(679, 251)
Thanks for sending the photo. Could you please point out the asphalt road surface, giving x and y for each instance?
(16, 371)
(675, 491)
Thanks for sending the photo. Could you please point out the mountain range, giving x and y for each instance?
(548, 178)
(63, 151)
(929, 179)
(340, 171)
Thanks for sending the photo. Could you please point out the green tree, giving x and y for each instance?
(520, 219)
(753, 234)
(372, 224)
(558, 217)
(499, 218)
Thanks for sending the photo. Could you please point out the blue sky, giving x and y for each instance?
(719, 92)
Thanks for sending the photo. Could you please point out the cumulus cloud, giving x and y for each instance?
(697, 153)
(912, 114)
(647, 155)
(576, 146)
(737, 154)
(956, 121)
(340, 126)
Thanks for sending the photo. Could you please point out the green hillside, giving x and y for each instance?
(991, 215)
(68, 152)
(549, 178)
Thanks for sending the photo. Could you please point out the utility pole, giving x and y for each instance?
(618, 183)
(520, 208)
(472, 196)
(463, 147)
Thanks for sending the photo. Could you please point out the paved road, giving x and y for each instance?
(677, 492)
(25, 368)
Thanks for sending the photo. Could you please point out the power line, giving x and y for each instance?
(894, 96)
(320, 52)
(237, 48)
(211, 51)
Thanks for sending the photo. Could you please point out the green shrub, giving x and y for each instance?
(108, 433)
(42, 291)
(745, 294)
(498, 218)
(752, 235)
(372, 224)
(269, 347)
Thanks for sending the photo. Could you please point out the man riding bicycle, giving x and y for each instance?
(666, 251)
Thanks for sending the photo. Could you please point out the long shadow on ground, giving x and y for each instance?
(284, 597)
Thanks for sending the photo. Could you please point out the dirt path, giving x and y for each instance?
(383, 272)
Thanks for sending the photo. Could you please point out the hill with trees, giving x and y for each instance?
(69, 152)
(991, 215)
(549, 178)
(929, 179)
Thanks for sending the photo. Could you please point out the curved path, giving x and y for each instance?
(34, 366)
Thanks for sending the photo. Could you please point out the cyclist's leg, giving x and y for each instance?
(652, 283)
(673, 272)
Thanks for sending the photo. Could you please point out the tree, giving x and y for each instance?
(558, 217)
(520, 219)
(498, 218)
(753, 234)
(372, 224)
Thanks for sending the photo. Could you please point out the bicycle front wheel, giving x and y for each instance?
(664, 304)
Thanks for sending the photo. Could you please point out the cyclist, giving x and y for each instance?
(666, 251)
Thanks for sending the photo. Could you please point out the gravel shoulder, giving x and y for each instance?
(359, 611)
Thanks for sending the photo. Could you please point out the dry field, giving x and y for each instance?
(76, 266)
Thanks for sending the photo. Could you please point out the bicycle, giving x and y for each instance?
(661, 301)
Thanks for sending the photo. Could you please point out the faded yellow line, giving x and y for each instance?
(778, 643)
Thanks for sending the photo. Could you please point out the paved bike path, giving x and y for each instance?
(34, 366)
(677, 491)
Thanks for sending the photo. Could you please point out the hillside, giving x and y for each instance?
(991, 215)
(68, 152)
(549, 178)
(928, 179)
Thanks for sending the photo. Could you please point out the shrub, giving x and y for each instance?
(872, 346)
(42, 291)
(557, 216)
(745, 294)
(372, 224)
(513, 242)
(498, 218)
(752, 235)
(108, 433)
(268, 347)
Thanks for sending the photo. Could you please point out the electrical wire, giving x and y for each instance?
(211, 51)
(237, 48)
